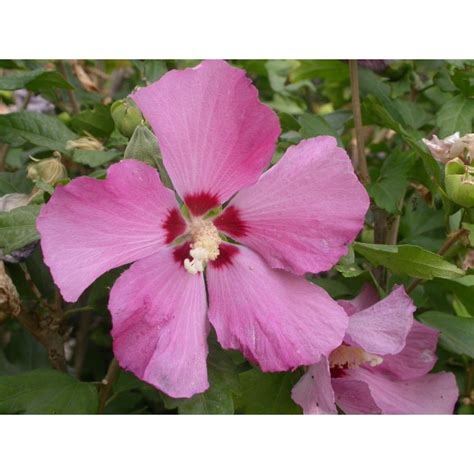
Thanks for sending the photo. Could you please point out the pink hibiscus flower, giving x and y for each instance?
(382, 366)
(299, 216)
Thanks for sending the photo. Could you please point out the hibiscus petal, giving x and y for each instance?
(367, 296)
(90, 226)
(430, 394)
(314, 392)
(417, 357)
(383, 327)
(302, 213)
(276, 319)
(160, 326)
(215, 135)
(353, 397)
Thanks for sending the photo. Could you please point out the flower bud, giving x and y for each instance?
(126, 116)
(144, 147)
(460, 182)
(85, 143)
(48, 170)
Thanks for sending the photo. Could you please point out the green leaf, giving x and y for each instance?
(408, 260)
(94, 158)
(18, 227)
(35, 81)
(456, 115)
(315, 125)
(383, 117)
(391, 184)
(264, 393)
(46, 391)
(98, 122)
(38, 129)
(223, 381)
(457, 334)
(321, 69)
(16, 182)
(25, 352)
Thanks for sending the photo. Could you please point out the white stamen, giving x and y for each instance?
(204, 246)
(352, 357)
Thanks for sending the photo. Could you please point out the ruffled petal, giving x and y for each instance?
(353, 397)
(276, 319)
(430, 394)
(302, 213)
(383, 327)
(90, 226)
(367, 296)
(159, 324)
(314, 392)
(417, 357)
(215, 135)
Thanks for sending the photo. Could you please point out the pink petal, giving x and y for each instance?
(354, 398)
(215, 135)
(368, 296)
(314, 392)
(89, 226)
(276, 319)
(430, 394)
(383, 328)
(303, 213)
(160, 326)
(417, 357)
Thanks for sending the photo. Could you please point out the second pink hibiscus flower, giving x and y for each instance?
(216, 139)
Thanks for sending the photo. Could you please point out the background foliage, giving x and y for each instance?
(54, 356)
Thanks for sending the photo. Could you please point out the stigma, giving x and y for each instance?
(205, 241)
(352, 357)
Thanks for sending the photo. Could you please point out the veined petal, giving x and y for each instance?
(215, 135)
(353, 397)
(160, 326)
(276, 319)
(367, 296)
(430, 394)
(417, 357)
(314, 392)
(303, 212)
(90, 226)
(383, 327)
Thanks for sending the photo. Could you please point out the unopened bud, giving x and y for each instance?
(460, 182)
(48, 170)
(126, 116)
(85, 143)
(144, 147)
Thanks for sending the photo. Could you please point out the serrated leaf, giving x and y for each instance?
(408, 260)
(94, 158)
(457, 334)
(36, 128)
(264, 393)
(456, 115)
(35, 81)
(98, 122)
(16, 182)
(390, 187)
(18, 227)
(46, 392)
(315, 125)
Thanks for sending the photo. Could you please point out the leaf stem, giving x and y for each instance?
(107, 383)
(450, 241)
(72, 97)
(359, 128)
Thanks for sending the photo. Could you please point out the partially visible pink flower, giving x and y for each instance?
(216, 139)
(382, 366)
